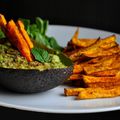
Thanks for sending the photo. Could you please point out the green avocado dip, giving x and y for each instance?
(11, 58)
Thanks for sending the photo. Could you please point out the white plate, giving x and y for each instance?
(54, 101)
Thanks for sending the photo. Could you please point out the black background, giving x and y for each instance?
(100, 14)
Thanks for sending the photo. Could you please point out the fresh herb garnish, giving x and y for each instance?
(41, 55)
(37, 32)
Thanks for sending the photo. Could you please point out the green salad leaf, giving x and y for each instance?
(42, 25)
(37, 32)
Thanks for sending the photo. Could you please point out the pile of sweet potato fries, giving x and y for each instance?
(96, 67)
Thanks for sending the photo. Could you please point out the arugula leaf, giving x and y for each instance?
(41, 55)
(2, 35)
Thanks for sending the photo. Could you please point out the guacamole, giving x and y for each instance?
(11, 58)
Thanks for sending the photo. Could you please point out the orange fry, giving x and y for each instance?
(105, 85)
(75, 77)
(93, 79)
(72, 91)
(84, 42)
(24, 33)
(77, 68)
(99, 48)
(105, 63)
(106, 73)
(18, 39)
(92, 93)
(3, 21)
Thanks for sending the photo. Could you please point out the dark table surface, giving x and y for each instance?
(100, 14)
(14, 113)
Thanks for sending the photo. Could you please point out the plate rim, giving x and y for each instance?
(61, 111)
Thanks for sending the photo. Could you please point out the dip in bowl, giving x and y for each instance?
(19, 75)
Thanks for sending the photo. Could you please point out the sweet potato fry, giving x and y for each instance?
(77, 68)
(19, 41)
(76, 34)
(105, 63)
(83, 42)
(72, 91)
(105, 85)
(24, 33)
(102, 52)
(3, 21)
(3, 24)
(75, 77)
(99, 48)
(108, 42)
(93, 79)
(105, 73)
(92, 93)
(75, 55)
